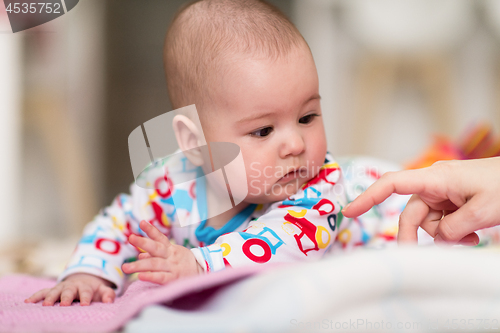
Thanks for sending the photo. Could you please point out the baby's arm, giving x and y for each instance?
(94, 268)
(299, 229)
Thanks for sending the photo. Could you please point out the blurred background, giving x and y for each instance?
(392, 73)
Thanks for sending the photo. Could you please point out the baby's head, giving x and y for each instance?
(253, 80)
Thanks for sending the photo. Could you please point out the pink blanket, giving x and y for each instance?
(17, 316)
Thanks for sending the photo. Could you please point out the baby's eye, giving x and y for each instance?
(307, 119)
(262, 132)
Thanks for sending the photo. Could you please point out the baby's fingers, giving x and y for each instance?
(38, 296)
(154, 233)
(155, 248)
(154, 264)
(68, 295)
(86, 293)
(107, 294)
(157, 277)
(144, 255)
(52, 296)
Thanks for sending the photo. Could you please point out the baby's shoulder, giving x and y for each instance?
(174, 169)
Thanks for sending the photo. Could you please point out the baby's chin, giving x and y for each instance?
(277, 192)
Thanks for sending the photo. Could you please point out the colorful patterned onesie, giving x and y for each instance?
(303, 227)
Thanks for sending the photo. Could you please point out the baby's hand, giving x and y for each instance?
(85, 287)
(162, 262)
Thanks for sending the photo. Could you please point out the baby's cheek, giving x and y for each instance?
(316, 145)
(256, 185)
(260, 189)
(254, 172)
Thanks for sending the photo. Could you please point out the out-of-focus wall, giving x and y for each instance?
(63, 84)
(10, 125)
(93, 75)
(392, 73)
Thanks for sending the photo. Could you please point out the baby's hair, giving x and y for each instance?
(206, 33)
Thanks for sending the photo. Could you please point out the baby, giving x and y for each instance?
(253, 80)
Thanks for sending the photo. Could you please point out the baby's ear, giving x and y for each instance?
(189, 139)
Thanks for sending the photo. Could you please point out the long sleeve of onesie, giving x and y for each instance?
(104, 246)
(378, 227)
(309, 223)
(303, 227)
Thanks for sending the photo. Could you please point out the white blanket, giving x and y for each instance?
(411, 289)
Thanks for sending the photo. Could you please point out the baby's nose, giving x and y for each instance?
(293, 144)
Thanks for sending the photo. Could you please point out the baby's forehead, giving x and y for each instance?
(234, 73)
(207, 33)
(232, 65)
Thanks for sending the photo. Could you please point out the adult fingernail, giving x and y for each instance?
(473, 242)
(469, 243)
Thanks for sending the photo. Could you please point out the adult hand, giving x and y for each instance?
(162, 262)
(451, 199)
(82, 286)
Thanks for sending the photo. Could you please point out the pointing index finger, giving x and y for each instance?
(154, 233)
(400, 182)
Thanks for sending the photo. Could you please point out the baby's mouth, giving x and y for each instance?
(291, 175)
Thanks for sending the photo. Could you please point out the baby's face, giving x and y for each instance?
(271, 110)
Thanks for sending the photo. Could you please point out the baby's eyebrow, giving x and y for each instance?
(315, 96)
(263, 115)
(258, 116)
